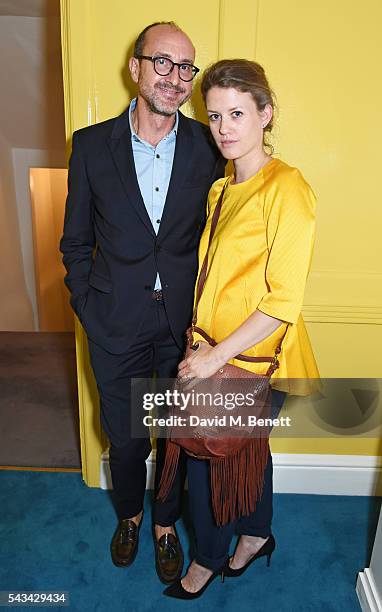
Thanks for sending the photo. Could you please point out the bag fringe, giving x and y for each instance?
(237, 481)
(169, 469)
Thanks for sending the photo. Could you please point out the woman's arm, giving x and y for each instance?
(207, 360)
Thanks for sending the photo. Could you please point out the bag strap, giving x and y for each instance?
(203, 271)
(274, 363)
(272, 360)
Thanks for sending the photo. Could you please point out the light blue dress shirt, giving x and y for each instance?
(153, 166)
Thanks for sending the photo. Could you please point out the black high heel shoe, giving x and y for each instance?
(176, 589)
(266, 550)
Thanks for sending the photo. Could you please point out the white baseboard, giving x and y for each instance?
(367, 593)
(301, 473)
(327, 474)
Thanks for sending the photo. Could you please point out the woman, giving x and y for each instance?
(257, 268)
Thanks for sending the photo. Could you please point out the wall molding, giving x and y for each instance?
(339, 296)
(319, 313)
(302, 473)
(367, 592)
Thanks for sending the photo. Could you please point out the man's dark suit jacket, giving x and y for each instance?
(111, 252)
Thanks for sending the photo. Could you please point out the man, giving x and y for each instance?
(138, 185)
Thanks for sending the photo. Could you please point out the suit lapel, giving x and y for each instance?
(182, 157)
(122, 153)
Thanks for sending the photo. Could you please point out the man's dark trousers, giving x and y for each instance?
(154, 349)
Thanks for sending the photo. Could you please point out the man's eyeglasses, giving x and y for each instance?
(164, 66)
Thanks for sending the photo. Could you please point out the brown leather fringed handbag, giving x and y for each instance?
(237, 455)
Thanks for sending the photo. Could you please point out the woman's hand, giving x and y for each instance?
(203, 363)
(207, 360)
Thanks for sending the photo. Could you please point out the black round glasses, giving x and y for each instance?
(164, 66)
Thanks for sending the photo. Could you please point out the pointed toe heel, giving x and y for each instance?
(266, 550)
(177, 590)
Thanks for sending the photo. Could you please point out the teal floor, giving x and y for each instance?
(55, 534)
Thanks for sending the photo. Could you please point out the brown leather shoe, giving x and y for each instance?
(168, 557)
(124, 545)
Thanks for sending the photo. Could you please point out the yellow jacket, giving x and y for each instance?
(259, 258)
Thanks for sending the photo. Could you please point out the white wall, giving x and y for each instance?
(23, 160)
(15, 308)
(31, 134)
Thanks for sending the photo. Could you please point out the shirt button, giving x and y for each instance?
(157, 156)
(158, 220)
(156, 188)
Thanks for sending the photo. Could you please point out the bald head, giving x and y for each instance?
(163, 25)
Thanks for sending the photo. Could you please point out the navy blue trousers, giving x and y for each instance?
(154, 350)
(212, 542)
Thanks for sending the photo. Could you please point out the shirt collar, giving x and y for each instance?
(135, 136)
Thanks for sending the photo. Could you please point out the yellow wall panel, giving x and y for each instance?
(237, 29)
(323, 60)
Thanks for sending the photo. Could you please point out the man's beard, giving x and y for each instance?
(157, 104)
